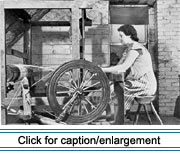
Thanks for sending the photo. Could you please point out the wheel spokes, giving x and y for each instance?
(80, 87)
(91, 85)
(92, 106)
(72, 79)
(85, 107)
(79, 109)
(63, 92)
(71, 109)
(59, 84)
(86, 82)
(84, 77)
(70, 101)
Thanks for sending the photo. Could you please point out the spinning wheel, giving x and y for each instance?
(78, 92)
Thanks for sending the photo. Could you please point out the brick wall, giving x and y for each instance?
(168, 30)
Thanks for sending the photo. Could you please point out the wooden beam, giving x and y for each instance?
(50, 23)
(3, 116)
(21, 13)
(17, 54)
(10, 19)
(75, 32)
(25, 46)
(39, 14)
(2, 60)
(56, 23)
(49, 4)
(22, 4)
(2, 52)
(27, 108)
(119, 107)
(36, 4)
(18, 29)
(14, 33)
(28, 45)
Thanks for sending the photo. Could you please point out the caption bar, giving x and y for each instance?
(89, 140)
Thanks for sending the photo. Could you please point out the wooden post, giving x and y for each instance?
(75, 33)
(3, 115)
(2, 56)
(118, 81)
(25, 44)
(2, 49)
(27, 114)
(119, 108)
(82, 29)
(28, 46)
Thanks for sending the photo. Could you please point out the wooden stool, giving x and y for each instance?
(144, 101)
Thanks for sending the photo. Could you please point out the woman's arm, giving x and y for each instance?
(131, 57)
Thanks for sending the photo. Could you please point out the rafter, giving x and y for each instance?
(17, 30)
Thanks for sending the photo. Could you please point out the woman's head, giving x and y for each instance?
(127, 33)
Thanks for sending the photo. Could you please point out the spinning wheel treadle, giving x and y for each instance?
(86, 90)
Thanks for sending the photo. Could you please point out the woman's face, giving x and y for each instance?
(123, 38)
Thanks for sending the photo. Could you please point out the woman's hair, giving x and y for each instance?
(129, 30)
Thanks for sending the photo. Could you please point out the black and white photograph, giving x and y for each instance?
(90, 62)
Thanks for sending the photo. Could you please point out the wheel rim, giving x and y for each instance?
(86, 89)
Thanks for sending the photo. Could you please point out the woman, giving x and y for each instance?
(137, 65)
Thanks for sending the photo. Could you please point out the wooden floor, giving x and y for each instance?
(167, 120)
(103, 120)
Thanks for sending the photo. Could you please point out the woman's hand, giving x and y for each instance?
(104, 67)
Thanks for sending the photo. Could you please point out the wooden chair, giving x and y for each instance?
(144, 101)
